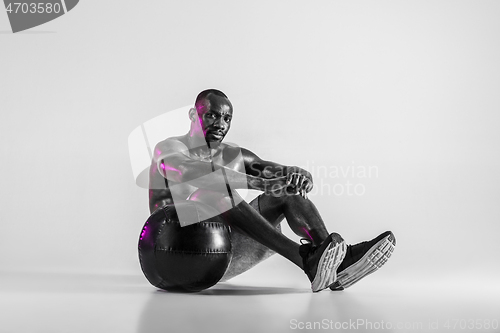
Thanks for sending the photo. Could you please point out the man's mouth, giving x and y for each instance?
(216, 134)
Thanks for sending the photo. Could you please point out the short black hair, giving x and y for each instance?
(205, 93)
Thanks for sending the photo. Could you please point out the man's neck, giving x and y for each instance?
(200, 148)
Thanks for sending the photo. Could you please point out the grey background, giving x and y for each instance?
(409, 87)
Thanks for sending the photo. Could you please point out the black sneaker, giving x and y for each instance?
(363, 259)
(321, 262)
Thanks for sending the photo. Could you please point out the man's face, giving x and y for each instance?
(215, 115)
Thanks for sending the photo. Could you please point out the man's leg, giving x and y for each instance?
(319, 262)
(247, 220)
(304, 219)
(247, 252)
(301, 215)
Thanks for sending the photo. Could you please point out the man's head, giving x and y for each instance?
(211, 115)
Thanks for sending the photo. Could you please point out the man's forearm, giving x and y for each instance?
(267, 169)
(200, 174)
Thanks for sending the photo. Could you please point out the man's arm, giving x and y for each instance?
(174, 163)
(258, 167)
(298, 180)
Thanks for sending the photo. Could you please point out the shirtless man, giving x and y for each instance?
(198, 166)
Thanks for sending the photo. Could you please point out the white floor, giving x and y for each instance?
(262, 300)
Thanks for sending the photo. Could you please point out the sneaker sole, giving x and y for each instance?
(326, 273)
(375, 258)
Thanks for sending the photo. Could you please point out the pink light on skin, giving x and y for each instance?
(166, 167)
(143, 232)
(196, 131)
(308, 234)
(169, 168)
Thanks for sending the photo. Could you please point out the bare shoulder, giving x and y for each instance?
(170, 145)
(249, 155)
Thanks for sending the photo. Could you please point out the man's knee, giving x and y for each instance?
(293, 199)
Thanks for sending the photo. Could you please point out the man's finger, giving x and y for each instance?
(302, 181)
(297, 179)
(308, 186)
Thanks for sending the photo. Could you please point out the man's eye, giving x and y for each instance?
(227, 119)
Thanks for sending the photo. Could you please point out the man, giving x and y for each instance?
(199, 167)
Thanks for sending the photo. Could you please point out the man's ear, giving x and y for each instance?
(193, 115)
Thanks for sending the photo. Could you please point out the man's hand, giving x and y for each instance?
(296, 180)
(299, 181)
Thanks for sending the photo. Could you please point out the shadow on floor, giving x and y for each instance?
(222, 308)
(223, 289)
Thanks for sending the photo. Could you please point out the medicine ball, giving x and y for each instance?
(189, 258)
